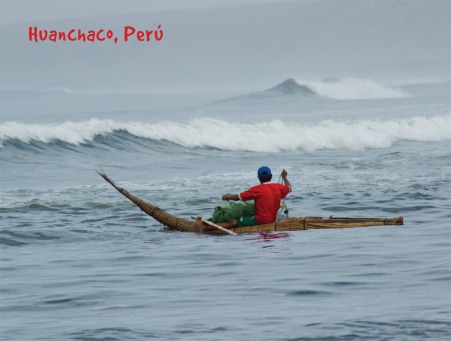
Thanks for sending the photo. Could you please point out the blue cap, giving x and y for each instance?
(263, 172)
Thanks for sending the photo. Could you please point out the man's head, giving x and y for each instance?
(264, 174)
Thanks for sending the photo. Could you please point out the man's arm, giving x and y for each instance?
(285, 180)
(234, 197)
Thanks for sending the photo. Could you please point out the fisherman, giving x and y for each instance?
(267, 197)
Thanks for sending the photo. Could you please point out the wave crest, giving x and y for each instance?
(273, 136)
(353, 89)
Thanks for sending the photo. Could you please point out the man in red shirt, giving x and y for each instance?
(267, 197)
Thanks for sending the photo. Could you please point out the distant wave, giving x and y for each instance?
(352, 89)
(331, 88)
(273, 136)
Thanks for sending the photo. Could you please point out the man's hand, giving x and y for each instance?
(284, 177)
(284, 174)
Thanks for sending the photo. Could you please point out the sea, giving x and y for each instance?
(81, 262)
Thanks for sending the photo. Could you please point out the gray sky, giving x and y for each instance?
(29, 11)
(245, 43)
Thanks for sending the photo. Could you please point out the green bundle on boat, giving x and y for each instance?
(232, 211)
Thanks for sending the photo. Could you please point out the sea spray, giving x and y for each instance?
(353, 89)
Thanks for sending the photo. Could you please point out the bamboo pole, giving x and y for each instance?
(217, 226)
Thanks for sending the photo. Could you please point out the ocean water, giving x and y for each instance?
(80, 262)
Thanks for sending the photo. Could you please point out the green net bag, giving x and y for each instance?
(232, 211)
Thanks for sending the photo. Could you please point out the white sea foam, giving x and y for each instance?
(272, 136)
(70, 132)
(351, 89)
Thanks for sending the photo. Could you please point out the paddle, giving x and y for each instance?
(217, 226)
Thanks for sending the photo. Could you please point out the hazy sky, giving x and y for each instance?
(23, 11)
(219, 43)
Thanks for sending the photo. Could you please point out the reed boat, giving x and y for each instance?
(289, 224)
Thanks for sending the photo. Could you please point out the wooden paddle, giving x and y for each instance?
(217, 226)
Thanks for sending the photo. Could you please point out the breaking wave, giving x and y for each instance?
(339, 89)
(273, 136)
(353, 89)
